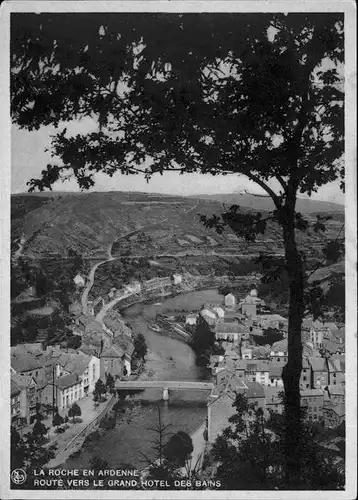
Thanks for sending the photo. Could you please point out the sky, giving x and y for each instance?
(28, 158)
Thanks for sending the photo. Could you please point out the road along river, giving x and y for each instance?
(167, 359)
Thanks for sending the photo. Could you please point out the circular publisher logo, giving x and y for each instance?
(18, 476)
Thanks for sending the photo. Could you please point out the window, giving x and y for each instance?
(304, 378)
(94, 370)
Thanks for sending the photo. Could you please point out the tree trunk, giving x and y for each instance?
(292, 370)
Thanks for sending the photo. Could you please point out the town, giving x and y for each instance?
(249, 355)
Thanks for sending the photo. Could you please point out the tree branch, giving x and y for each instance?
(273, 195)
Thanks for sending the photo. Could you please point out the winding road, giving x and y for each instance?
(90, 279)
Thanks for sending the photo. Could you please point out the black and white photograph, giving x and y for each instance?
(178, 250)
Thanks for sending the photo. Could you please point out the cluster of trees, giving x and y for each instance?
(99, 391)
(203, 342)
(122, 271)
(31, 451)
(171, 452)
(74, 411)
(140, 346)
(52, 282)
(251, 453)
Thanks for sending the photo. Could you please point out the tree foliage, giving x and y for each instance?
(258, 95)
(202, 341)
(251, 453)
(28, 452)
(140, 346)
(99, 390)
(57, 420)
(178, 449)
(109, 383)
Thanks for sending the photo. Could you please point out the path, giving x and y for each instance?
(107, 307)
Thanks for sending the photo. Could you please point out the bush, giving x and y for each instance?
(59, 430)
(77, 420)
(75, 454)
(93, 436)
(108, 422)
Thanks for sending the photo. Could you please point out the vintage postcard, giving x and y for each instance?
(178, 250)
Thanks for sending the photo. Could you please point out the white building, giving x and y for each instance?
(191, 319)
(79, 281)
(177, 279)
(230, 300)
(209, 315)
(133, 287)
(219, 311)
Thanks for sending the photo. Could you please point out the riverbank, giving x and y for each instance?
(167, 359)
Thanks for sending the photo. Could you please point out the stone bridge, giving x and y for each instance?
(165, 385)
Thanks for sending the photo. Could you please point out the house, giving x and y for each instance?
(312, 401)
(84, 366)
(230, 301)
(336, 393)
(273, 321)
(220, 312)
(255, 394)
(246, 352)
(24, 398)
(273, 399)
(275, 374)
(305, 379)
(116, 359)
(28, 361)
(126, 345)
(334, 415)
(209, 315)
(79, 281)
(279, 351)
(15, 394)
(115, 324)
(251, 303)
(319, 372)
(231, 316)
(177, 279)
(335, 371)
(133, 287)
(333, 347)
(318, 332)
(191, 319)
(257, 371)
(64, 391)
(230, 332)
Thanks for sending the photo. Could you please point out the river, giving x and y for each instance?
(168, 359)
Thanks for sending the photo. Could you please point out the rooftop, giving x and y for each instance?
(338, 390)
(112, 352)
(318, 364)
(272, 394)
(280, 346)
(255, 390)
(311, 392)
(276, 369)
(230, 328)
(67, 381)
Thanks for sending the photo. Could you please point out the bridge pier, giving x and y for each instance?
(165, 394)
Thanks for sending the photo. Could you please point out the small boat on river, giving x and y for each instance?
(154, 327)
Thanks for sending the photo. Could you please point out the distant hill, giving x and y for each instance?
(304, 205)
(90, 223)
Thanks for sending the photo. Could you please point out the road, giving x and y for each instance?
(90, 279)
